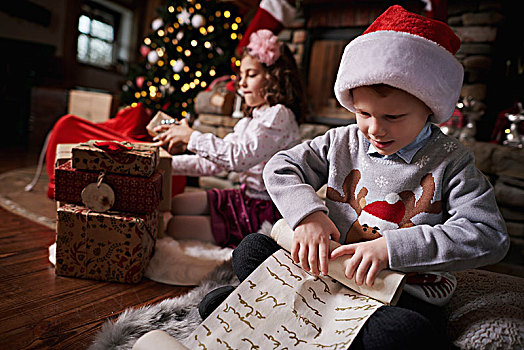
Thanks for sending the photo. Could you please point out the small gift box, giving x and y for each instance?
(116, 157)
(64, 154)
(131, 193)
(111, 246)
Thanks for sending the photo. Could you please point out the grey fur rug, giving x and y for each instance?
(177, 316)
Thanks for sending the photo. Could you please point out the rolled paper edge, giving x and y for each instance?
(388, 283)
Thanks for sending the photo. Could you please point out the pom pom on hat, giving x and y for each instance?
(409, 52)
(392, 198)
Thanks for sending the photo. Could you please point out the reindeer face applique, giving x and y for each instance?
(396, 211)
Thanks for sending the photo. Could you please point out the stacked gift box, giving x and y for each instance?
(107, 222)
(218, 109)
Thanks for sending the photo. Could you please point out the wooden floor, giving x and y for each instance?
(39, 310)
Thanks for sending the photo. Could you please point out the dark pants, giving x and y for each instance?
(412, 324)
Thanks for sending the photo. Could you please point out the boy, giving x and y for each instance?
(401, 194)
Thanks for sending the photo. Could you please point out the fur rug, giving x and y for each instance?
(194, 260)
(177, 316)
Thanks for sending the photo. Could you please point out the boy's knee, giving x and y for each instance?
(252, 251)
(253, 245)
(397, 328)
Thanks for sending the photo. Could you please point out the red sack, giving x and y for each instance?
(129, 124)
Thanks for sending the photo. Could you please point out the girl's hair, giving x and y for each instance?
(284, 86)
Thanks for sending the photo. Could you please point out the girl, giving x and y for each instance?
(274, 105)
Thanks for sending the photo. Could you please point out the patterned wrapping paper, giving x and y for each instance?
(132, 193)
(111, 246)
(280, 306)
(141, 160)
(64, 152)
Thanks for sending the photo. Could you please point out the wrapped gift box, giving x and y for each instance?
(110, 246)
(64, 154)
(132, 193)
(91, 105)
(140, 160)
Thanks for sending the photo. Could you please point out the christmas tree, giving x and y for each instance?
(192, 43)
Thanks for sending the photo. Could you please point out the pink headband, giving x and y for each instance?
(264, 45)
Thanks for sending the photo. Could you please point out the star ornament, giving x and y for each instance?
(184, 17)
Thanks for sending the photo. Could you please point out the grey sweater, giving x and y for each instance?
(437, 212)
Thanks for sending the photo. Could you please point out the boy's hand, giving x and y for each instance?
(311, 242)
(174, 136)
(368, 259)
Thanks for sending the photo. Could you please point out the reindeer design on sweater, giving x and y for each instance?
(395, 212)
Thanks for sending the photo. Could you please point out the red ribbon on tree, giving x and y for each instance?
(112, 147)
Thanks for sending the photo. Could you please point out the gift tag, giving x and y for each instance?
(98, 197)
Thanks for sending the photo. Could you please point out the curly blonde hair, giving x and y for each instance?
(284, 86)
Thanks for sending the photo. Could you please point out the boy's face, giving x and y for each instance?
(389, 122)
(252, 81)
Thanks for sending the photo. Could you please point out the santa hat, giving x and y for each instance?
(409, 52)
(271, 15)
(386, 215)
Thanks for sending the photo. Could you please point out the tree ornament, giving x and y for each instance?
(152, 57)
(157, 23)
(178, 66)
(144, 50)
(179, 35)
(183, 17)
(198, 21)
(139, 82)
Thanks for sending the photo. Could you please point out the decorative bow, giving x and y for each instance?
(112, 147)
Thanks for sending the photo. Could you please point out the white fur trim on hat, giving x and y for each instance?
(280, 10)
(374, 221)
(405, 61)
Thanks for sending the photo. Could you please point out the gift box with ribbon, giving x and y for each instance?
(112, 246)
(131, 193)
(116, 157)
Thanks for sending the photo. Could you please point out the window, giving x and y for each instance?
(97, 28)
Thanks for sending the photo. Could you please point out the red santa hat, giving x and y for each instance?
(409, 52)
(386, 215)
(271, 15)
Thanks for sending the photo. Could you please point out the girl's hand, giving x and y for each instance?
(367, 260)
(175, 136)
(311, 242)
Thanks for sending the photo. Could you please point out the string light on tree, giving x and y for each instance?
(191, 43)
(157, 23)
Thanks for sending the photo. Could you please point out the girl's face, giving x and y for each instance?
(252, 81)
(389, 122)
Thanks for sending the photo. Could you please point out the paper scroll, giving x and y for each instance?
(388, 284)
(281, 306)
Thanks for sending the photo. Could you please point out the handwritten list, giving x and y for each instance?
(281, 306)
